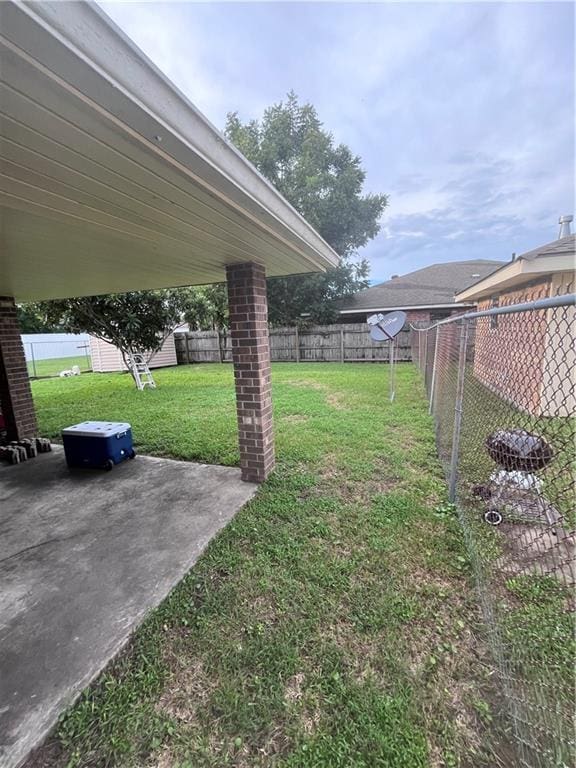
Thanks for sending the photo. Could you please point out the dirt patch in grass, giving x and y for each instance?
(303, 704)
(164, 758)
(329, 470)
(293, 691)
(361, 652)
(295, 418)
(334, 480)
(263, 610)
(333, 399)
(187, 689)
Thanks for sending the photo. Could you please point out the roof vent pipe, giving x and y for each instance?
(394, 277)
(565, 222)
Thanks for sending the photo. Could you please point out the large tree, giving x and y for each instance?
(139, 321)
(207, 308)
(32, 320)
(324, 182)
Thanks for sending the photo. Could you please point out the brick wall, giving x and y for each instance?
(248, 307)
(558, 397)
(418, 316)
(15, 394)
(510, 349)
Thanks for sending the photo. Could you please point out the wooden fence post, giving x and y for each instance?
(189, 348)
(341, 344)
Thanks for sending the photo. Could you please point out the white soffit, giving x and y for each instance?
(111, 180)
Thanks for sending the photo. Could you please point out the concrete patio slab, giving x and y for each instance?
(84, 555)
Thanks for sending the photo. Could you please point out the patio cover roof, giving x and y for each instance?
(112, 180)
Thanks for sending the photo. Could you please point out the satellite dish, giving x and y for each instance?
(386, 327)
(377, 334)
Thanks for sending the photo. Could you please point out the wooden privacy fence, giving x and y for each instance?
(320, 343)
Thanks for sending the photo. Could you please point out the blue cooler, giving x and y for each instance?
(98, 444)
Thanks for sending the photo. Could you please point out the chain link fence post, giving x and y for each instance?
(33, 360)
(436, 332)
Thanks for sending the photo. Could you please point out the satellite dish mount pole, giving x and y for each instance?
(392, 370)
(391, 361)
(386, 328)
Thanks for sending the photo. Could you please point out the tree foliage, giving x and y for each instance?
(139, 321)
(324, 182)
(207, 308)
(32, 319)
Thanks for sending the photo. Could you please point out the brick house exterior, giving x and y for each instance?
(517, 355)
(498, 360)
(432, 315)
(251, 357)
(17, 409)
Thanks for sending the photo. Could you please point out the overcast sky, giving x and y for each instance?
(462, 113)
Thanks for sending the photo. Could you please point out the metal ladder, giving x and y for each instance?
(141, 372)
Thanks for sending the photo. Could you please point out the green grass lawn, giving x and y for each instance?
(52, 367)
(332, 624)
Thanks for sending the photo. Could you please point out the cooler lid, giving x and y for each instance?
(97, 428)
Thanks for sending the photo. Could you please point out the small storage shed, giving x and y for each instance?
(106, 358)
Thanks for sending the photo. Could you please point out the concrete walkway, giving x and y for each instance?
(84, 555)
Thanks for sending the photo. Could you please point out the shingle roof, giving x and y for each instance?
(430, 286)
(561, 247)
(555, 248)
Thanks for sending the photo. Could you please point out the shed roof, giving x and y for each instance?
(431, 286)
(557, 256)
(112, 180)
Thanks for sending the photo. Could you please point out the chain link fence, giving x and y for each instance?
(501, 388)
(46, 359)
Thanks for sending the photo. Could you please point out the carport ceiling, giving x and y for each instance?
(112, 180)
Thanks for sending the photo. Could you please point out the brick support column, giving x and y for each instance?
(251, 357)
(15, 394)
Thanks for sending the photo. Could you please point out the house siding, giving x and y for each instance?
(106, 358)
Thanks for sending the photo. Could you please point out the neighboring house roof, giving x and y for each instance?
(432, 286)
(557, 256)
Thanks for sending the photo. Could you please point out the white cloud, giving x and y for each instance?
(168, 36)
(422, 201)
(462, 112)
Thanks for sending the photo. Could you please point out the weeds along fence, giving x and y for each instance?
(350, 343)
(501, 389)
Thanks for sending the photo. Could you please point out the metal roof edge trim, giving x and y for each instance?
(362, 310)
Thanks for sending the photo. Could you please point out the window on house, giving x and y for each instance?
(494, 302)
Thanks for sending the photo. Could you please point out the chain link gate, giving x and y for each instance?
(501, 390)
